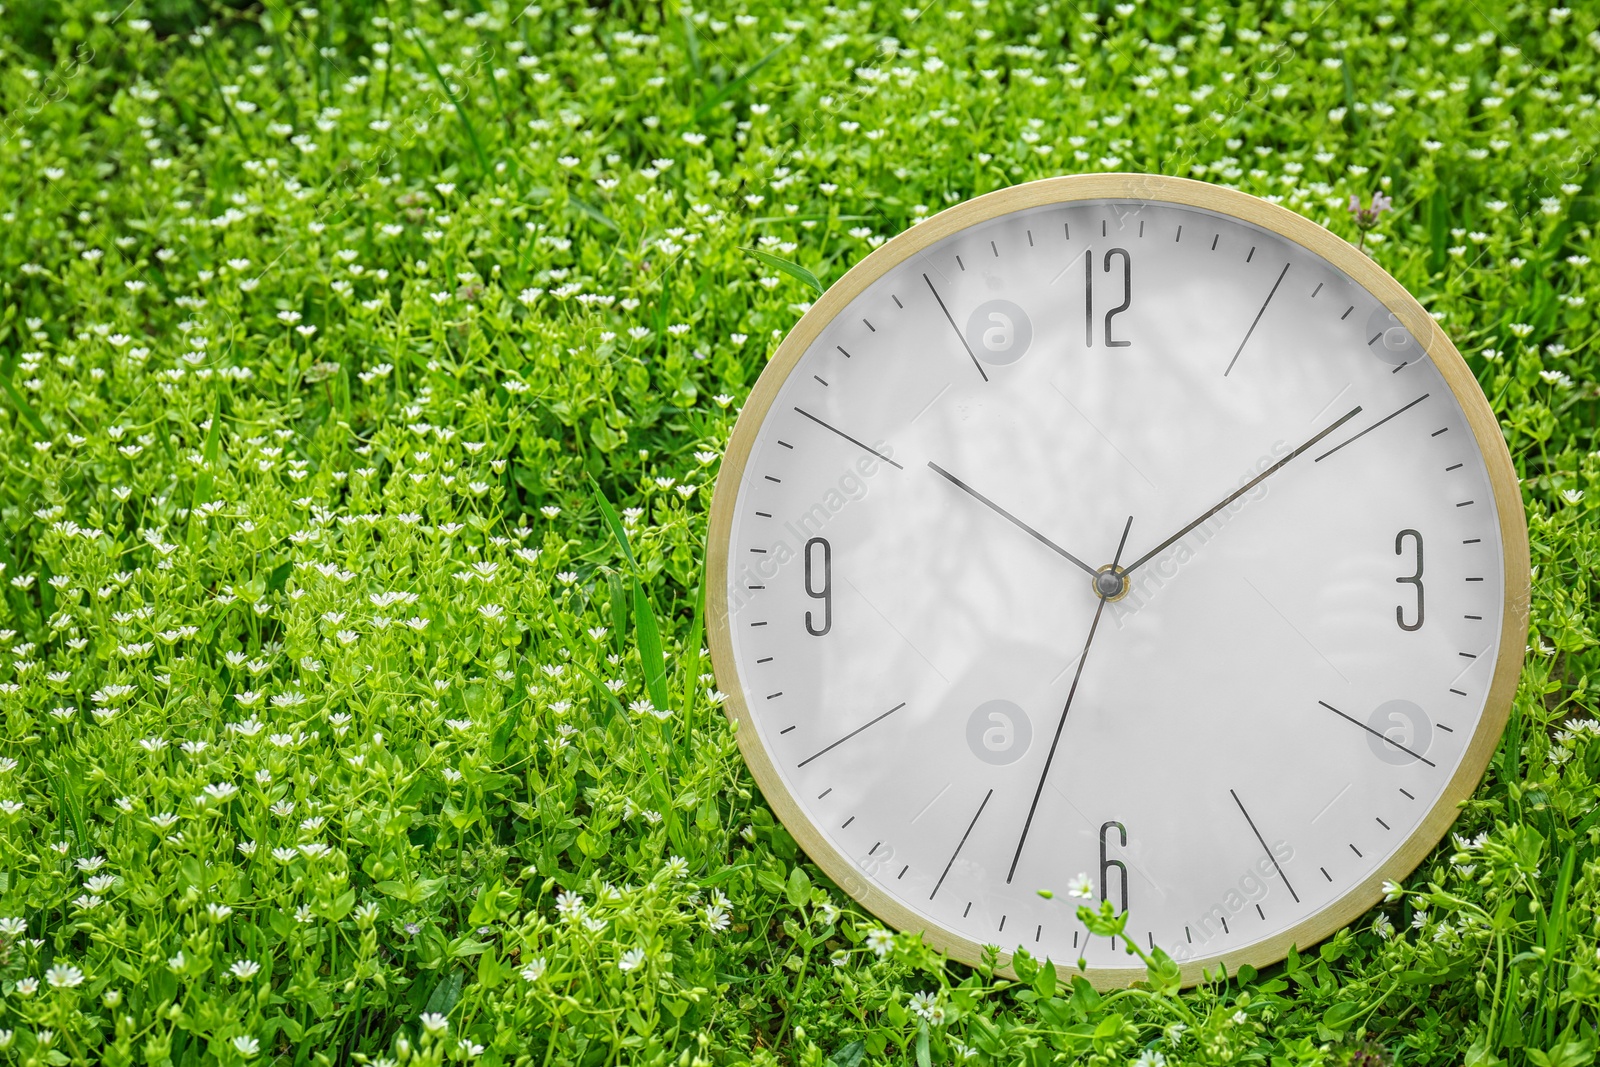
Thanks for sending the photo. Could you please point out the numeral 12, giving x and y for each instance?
(1088, 296)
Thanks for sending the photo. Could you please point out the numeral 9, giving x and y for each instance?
(825, 594)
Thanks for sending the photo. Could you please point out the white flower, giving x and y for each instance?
(1150, 1058)
(534, 970)
(880, 941)
(1392, 891)
(218, 912)
(63, 976)
(631, 959)
(28, 986)
(244, 969)
(1081, 887)
(246, 1045)
(435, 1023)
(221, 790)
(569, 905)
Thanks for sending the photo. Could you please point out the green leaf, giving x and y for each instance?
(793, 270)
(923, 1058)
(799, 888)
(1339, 1017)
(446, 993)
(490, 971)
(1044, 983)
(849, 1055)
(340, 906)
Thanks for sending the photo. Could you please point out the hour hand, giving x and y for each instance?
(1018, 523)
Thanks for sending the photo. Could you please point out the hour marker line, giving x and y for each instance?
(847, 437)
(1369, 429)
(852, 733)
(970, 354)
(1264, 847)
(963, 841)
(1257, 319)
(1382, 737)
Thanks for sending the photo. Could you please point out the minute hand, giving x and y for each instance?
(1241, 491)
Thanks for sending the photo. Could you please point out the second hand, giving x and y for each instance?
(1061, 722)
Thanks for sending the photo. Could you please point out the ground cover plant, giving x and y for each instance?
(364, 371)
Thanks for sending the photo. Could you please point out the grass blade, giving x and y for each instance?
(593, 212)
(651, 655)
(733, 86)
(793, 270)
(608, 515)
(444, 87)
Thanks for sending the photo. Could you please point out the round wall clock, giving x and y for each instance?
(1121, 526)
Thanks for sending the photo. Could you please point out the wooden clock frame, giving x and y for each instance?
(1133, 188)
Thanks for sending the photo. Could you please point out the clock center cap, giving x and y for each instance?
(1111, 582)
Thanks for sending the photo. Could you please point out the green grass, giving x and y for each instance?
(327, 719)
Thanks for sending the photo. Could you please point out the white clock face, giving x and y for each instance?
(1227, 731)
